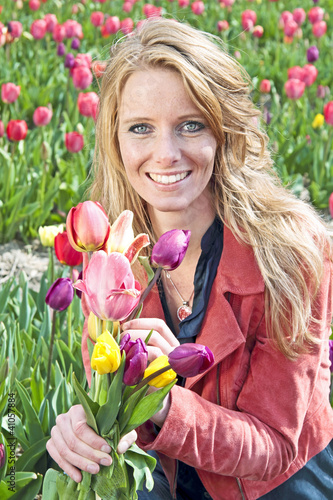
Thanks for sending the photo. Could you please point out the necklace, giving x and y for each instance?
(185, 309)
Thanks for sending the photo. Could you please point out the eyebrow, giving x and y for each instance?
(143, 119)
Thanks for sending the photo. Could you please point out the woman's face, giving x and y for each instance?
(166, 144)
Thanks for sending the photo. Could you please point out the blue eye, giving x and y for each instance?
(192, 126)
(140, 128)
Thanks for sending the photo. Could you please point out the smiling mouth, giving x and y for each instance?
(169, 179)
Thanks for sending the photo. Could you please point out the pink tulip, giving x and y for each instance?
(87, 226)
(315, 14)
(73, 29)
(296, 72)
(310, 74)
(34, 4)
(82, 77)
(198, 8)
(15, 29)
(258, 31)
(127, 25)
(127, 7)
(42, 116)
(299, 16)
(319, 29)
(294, 88)
(249, 18)
(2, 129)
(330, 204)
(284, 18)
(74, 142)
(88, 104)
(17, 130)
(111, 290)
(97, 18)
(222, 25)
(51, 22)
(328, 112)
(150, 10)
(290, 28)
(10, 92)
(59, 33)
(183, 3)
(265, 86)
(38, 29)
(112, 25)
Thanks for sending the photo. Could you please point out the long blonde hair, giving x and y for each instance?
(286, 235)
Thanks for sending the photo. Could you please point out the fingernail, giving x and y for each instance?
(122, 447)
(106, 448)
(106, 461)
(92, 469)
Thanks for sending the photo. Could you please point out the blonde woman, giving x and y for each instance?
(179, 145)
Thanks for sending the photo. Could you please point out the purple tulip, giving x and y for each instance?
(312, 54)
(170, 249)
(75, 45)
(2, 455)
(69, 60)
(136, 359)
(189, 360)
(331, 354)
(60, 294)
(61, 49)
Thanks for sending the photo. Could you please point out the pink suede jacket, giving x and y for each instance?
(255, 417)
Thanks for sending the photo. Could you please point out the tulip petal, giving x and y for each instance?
(133, 250)
(121, 233)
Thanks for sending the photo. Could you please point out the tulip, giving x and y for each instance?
(51, 22)
(88, 104)
(331, 354)
(294, 88)
(222, 25)
(258, 31)
(2, 129)
(87, 226)
(93, 321)
(42, 116)
(34, 4)
(121, 238)
(290, 28)
(330, 204)
(299, 15)
(82, 77)
(265, 86)
(136, 359)
(112, 25)
(47, 234)
(64, 251)
(106, 355)
(188, 360)
(61, 49)
(322, 91)
(165, 378)
(296, 72)
(38, 29)
(127, 7)
(318, 121)
(75, 45)
(310, 74)
(319, 29)
(183, 3)
(111, 290)
(152, 11)
(10, 92)
(284, 18)
(248, 19)
(97, 18)
(312, 54)
(170, 249)
(328, 112)
(17, 130)
(60, 294)
(74, 142)
(315, 15)
(98, 68)
(2, 455)
(58, 33)
(69, 60)
(15, 29)
(127, 25)
(198, 8)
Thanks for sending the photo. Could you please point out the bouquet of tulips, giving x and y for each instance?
(119, 400)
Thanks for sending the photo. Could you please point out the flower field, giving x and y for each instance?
(52, 55)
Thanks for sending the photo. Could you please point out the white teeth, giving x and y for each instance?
(168, 179)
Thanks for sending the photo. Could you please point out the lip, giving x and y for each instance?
(174, 178)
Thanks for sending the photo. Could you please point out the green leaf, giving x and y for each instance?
(143, 466)
(107, 413)
(37, 386)
(22, 479)
(145, 262)
(90, 407)
(30, 457)
(50, 485)
(24, 318)
(128, 405)
(32, 424)
(147, 407)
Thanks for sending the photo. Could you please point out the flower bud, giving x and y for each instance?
(60, 294)
(74, 142)
(47, 234)
(106, 355)
(170, 249)
(87, 226)
(163, 379)
(312, 54)
(64, 251)
(42, 116)
(17, 130)
(10, 92)
(136, 359)
(61, 49)
(318, 121)
(188, 360)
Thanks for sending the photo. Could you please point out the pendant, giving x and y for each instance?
(184, 311)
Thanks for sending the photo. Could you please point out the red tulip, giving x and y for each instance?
(183, 3)
(258, 31)
(111, 290)
(42, 116)
(82, 77)
(74, 142)
(198, 8)
(17, 130)
(38, 29)
(97, 18)
(64, 251)
(290, 28)
(87, 226)
(284, 18)
(15, 29)
(222, 25)
(299, 16)
(294, 88)
(310, 74)
(265, 86)
(112, 25)
(127, 25)
(34, 4)
(315, 15)
(249, 18)
(330, 204)
(2, 129)
(319, 29)
(59, 33)
(51, 22)
(88, 104)
(60, 294)
(328, 112)
(296, 72)
(10, 92)
(150, 10)
(127, 7)
(73, 29)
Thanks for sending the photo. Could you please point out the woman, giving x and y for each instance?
(178, 143)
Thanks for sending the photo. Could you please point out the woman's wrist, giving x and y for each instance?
(160, 416)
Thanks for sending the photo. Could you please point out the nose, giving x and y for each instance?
(166, 149)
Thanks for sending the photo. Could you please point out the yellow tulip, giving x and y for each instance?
(106, 355)
(318, 121)
(93, 326)
(48, 233)
(163, 379)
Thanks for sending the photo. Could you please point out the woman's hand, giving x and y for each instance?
(162, 340)
(75, 446)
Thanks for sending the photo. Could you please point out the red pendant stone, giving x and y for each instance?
(183, 312)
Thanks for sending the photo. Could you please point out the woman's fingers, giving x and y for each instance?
(162, 338)
(127, 441)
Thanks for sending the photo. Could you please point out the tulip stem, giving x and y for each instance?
(145, 293)
(69, 318)
(51, 350)
(146, 380)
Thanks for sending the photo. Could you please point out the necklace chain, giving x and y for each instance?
(185, 309)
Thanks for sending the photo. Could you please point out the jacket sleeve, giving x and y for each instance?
(259, 440)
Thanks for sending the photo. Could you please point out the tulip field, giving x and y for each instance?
(52, 57)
